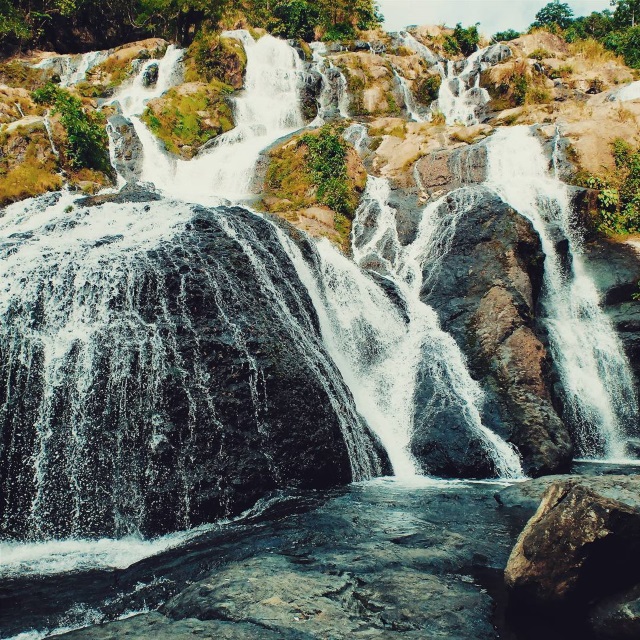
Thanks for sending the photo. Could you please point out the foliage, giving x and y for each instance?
(619, 192)
(216, 57)
(506, 36)
(540, 54)
(327, 154)
(295, 19)
(428, 88)
(87, 138)
(554, 13)
(463, 40)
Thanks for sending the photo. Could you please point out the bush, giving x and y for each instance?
(428, 89)
(554, 14)
(327, 154)
(87, 138)
(467, 39)
(506, 36)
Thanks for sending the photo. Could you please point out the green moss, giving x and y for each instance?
(186, 121)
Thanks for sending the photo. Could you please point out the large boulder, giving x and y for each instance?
(190, 381)
(579, 545)
(485, 288)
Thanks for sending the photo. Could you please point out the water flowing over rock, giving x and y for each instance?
(171, 372)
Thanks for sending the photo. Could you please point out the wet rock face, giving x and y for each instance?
(485, 292)
(150, 75)
(201, 400)
(127, 148)
(579, 545)
(615, 268)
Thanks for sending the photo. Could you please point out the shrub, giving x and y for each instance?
(540, 54)
(428, 89)
(327, 154)
(467, 39)
(87, 138)
(506, 36)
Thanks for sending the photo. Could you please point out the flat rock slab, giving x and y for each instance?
(528, 495)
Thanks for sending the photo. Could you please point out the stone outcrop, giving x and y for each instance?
(127, 148)
(241, 404)
(579, 545)
(615, 268)
(485, 290)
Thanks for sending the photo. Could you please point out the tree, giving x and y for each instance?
(554, 13)
(627, 12)
(505, 36)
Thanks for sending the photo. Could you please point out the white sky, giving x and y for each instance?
(493, 15)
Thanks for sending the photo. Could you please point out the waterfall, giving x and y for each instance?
(334, 96)
(460, 96)
(73, 69)
(595, 374)
(110, 317)
(409, 41)
(380, 348)
(409, 100)
(268, 109)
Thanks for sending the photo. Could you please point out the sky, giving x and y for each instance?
(493, 15)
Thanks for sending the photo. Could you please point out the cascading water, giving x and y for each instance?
(73, 69)
(334, 96)
(409, 41)
(595, 374)
(380, 348)
(460, 96)
(409, 100)
(268, 109)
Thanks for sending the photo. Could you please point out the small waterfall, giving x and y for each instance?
(73, 69)
(334, 95)
(47, 126)
(409, 100)
(460, 96)
(409, 41)
(379, 348)
(595, 374)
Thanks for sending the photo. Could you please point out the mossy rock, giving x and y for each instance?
(427, 89)
(296, 184)
(213, 57)
(190, 115)
(28, 166)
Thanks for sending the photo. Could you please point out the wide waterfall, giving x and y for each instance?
(596, 378)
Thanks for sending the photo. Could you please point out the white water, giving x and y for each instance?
(267, 109)
(627, 93)
(334, 94)
(594, 370)
(460, 97)
(411, 43)
(409, 100)
(74, 69)
(377, 350)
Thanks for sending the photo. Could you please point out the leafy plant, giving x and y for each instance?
(87, 138)
(506, 36)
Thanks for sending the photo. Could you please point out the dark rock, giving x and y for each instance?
(243, 401)
(131, 194)
(309, 95)
(361, 45)
(617, 617)
(150, 75)
(496, 54)
(128, 152)
(615, 268)
(144, 54)
(579, 545)
(485, 290)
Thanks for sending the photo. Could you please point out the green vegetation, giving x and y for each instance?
(86, 135)
(327, 155)
(463, 40)
(619, 191)
(617, 30)
(427, 89)
(27, 165)
(211, 56)
(32, 23)
(506, 36)
(185, 120)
